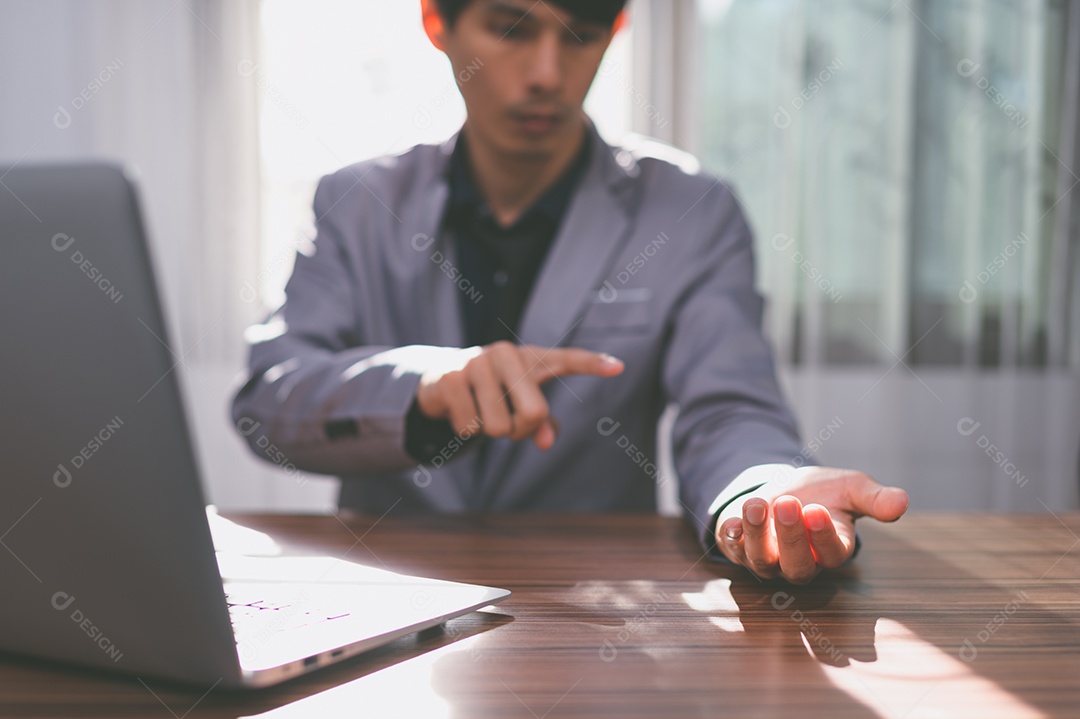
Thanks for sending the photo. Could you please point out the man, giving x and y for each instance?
(514, 309)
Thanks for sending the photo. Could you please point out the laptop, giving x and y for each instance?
(106, 553)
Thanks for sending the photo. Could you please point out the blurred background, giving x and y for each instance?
(910, 169)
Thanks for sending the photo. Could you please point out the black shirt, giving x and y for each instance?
(502, 263)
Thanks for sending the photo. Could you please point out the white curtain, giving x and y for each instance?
(163, 86)
(152, 84)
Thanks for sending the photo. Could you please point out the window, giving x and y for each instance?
(901, 166)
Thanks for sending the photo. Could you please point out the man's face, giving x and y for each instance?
(524, 69)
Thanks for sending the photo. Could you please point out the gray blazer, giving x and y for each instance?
(652, 264)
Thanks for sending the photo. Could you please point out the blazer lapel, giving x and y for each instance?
(427, 245)
(595, 227)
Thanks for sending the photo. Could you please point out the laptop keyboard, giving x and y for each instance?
(266, 616)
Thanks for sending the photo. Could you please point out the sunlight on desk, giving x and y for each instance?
(407, 688)
(716, 597)
(893, 684)
(900, 677)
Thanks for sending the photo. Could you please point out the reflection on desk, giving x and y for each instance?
(622, 616)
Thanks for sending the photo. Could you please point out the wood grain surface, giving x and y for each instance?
(621, 616)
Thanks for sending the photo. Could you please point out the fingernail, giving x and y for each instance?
(609, 360)
(734, 532)
(815, 521)
(786, 512)
(755, 514)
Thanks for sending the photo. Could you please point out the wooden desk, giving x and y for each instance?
(619, 616)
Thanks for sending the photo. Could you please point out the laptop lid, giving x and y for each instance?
(105, 553)
(105, 550)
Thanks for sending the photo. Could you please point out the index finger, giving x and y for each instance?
(545, 364)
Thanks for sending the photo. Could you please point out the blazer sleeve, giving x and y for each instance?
(719, 369)
(315, 395)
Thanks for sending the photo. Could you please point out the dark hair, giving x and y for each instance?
(602, 12)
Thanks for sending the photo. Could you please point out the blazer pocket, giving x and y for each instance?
(629, 311)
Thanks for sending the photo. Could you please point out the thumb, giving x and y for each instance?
(868, 498)
(545, 437)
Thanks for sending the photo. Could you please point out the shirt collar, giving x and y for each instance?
(552, 205)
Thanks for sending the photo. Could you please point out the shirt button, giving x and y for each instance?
(501, 278)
